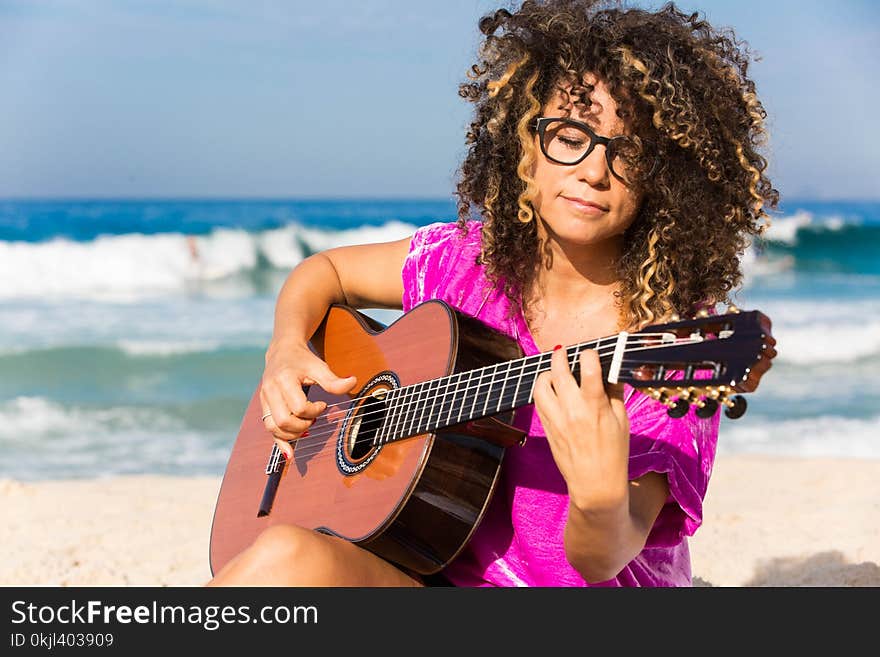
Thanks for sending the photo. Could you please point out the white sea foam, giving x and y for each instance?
(824, 436)
(24, 420)
(122, 267)
(756, 265)
(817, 330)
(319, 240)
(166, 347)
(786, 228)
(822, 342)
(159, 326)
(41, 439)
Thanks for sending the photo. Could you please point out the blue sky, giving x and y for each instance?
(264, 98)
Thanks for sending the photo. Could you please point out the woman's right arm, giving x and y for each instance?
(361, 276)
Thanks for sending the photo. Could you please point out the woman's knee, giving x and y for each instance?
(285, 544)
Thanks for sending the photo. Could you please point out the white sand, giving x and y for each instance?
(768, 522)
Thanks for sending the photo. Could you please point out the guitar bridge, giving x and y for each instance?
(274, 468)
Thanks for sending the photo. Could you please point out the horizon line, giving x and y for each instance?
(330, 199)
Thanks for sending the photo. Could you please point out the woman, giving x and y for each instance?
(612, 180)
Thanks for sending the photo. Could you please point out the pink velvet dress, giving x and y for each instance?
(519, 542)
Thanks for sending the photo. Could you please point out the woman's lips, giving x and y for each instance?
(587, 207)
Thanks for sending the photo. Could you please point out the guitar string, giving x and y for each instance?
(636, 339)
(402, 393)
(332, 430)
(433, 396)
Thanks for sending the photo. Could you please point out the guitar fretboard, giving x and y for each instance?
(433, 405)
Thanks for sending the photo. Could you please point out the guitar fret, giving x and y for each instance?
(489, 391)
(475, 392)
(430, 405)
(450, 398)
(393, 425)
(439, 402)
(464, 392)
(575, 369)
(380, 432)
(409, 410)
(416, 401)
(413, 409)
(441, 398)
(539, 367)
(519, 378)
(432, 395)
(503, 386)
(385, 434)
(400, 421)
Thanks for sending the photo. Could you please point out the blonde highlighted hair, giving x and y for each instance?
(681, 84)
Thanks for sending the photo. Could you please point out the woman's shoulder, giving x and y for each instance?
(442, 263)
(447, 234)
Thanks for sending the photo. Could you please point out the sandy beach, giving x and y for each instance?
(768, 522)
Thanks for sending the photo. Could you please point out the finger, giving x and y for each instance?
(296, 400)
(299, 404)
(282, 420)
(592, 380)
(542, 391)
(329, 381)
(274, 405)
(545, 398)
(285, 447)
(564, 382)
(264, 404)
(267, 417)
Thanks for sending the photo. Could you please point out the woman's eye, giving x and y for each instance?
(570, 142)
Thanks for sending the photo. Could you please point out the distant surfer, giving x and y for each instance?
(193, 247)
(196, 265)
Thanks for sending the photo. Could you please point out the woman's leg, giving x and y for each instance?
(287, 555)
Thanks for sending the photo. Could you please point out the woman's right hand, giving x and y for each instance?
(290, 365)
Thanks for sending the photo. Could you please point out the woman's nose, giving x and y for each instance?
(594, 168)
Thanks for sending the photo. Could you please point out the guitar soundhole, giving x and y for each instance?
(359, 440)
(362, 437)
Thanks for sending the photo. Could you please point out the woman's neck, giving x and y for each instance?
(577, 273)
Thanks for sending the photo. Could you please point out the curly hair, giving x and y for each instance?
(680, 84)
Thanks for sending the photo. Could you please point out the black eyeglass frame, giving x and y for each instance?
(540, 125)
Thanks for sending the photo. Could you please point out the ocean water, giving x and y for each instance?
(132, 333)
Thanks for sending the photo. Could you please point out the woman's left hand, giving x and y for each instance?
(587, 429)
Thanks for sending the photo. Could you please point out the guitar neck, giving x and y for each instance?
(465, 396)
(728, 352)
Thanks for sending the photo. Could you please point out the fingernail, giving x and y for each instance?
(559, 346)
(304, 434)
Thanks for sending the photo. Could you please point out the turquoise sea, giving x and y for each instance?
(132, 332)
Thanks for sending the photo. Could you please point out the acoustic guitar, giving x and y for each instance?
(405, 465)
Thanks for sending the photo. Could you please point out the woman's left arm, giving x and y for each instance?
(609, 517)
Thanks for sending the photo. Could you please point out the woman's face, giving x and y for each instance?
(584, 204)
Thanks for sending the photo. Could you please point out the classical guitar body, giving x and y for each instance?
(414, 501)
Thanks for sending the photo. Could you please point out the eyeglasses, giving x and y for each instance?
(566, 141)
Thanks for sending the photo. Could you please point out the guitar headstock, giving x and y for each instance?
(702, 362)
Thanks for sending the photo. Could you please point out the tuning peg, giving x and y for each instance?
(675, 317)
(702, 312)
(736, 407)
(706, 408)
(658, 394)
(732, 310)
(677, 408)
